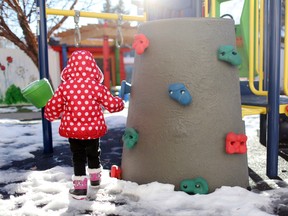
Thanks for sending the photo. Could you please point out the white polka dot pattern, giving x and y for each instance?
(80, 99)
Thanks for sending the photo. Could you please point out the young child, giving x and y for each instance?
(79, 100)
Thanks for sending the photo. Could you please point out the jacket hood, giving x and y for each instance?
(81, 64)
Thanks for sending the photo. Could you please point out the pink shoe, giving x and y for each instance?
(80, 187)
(95, 176)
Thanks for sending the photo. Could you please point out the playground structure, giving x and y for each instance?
(258, 38)
(43, 50)
(181, 110)
(108, 42)
(114, 58)
(270, 39)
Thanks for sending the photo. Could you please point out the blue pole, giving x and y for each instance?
(64, 55)
(274, 89)
(43, 69)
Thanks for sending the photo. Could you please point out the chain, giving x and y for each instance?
(77, 35)
(119, 35)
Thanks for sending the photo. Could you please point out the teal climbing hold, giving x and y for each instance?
(194, 186)
(228, 53)
(130, 137)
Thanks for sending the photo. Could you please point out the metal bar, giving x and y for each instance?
(274, 89)
(106, 65)
(43, 70)
(213, 8)
(266, 43)
(252, 110)
(206, 5)
(64, 55)
(256, 39)
(51, 11)
(261, 43)
(198, 7)
(251, 52)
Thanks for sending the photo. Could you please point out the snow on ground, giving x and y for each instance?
(12, 109)
(34, 192)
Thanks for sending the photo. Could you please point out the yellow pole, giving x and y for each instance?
(256, 39)
(261, 49)
(51, 11)
(251, 52)
(206, 7)
(285, 84)
(213, 8)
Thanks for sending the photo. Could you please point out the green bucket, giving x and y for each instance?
(38, 92)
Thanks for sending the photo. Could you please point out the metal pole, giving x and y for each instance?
(266, 43)
(105, 16)
(274, 89)
(43, 69)
(106, 66)
(64, 55)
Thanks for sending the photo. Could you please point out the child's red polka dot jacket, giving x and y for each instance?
(79, 99)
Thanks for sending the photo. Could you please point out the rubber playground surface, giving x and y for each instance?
(111, 148)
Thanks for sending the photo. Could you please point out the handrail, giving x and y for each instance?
(261, 48)
(256, 37)
(252, 110)
(213, 8)
(285, 84)
(206, 5)
(111, 16)
(251, 53)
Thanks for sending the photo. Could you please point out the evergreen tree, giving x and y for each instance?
(107, 7)
(120, 8)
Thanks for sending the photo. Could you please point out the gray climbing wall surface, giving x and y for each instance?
(179, 142)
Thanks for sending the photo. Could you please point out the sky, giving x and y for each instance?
(234, 8)
(46, 192)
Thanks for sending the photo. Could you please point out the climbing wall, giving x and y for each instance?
(184, 102)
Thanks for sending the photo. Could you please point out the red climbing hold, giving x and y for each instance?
(115, 172)
(236, 143)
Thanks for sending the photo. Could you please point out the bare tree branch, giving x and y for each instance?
(18, 15)
(59, 24)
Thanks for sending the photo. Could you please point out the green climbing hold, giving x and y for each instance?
(229, 54)
(130, 137)
(194, 186)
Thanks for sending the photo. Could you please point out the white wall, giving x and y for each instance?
(22, 70)
(54, 67)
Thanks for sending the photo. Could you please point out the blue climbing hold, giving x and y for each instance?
(179, 93)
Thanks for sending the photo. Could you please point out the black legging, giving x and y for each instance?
(83, 151)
